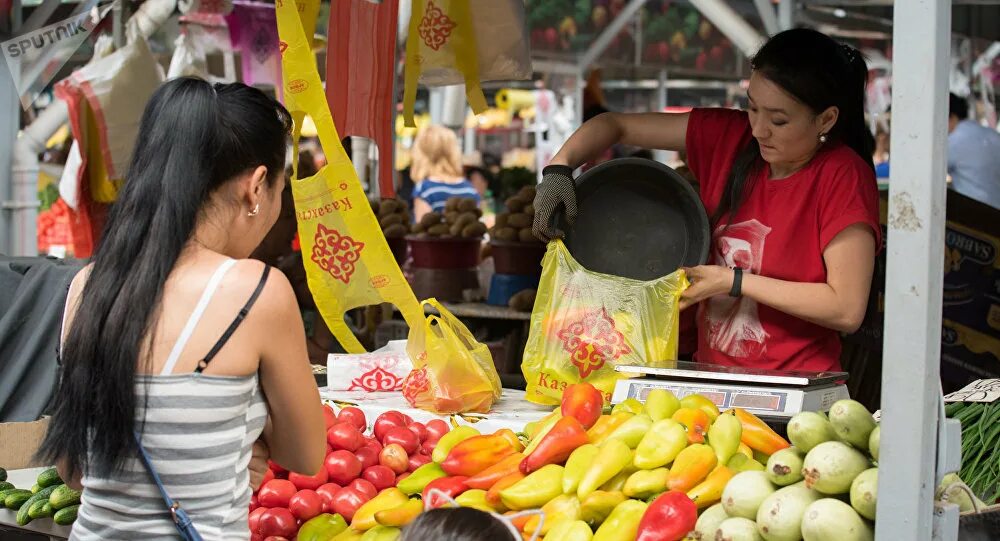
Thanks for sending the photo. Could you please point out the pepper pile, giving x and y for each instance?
(639, 472)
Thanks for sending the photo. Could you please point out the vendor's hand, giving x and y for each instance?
(258, 463)
(706, 281)
(556, 191)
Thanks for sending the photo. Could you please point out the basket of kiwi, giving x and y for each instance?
(449, 239)
(516, 251)
(394, 219)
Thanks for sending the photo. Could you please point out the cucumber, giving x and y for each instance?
(3, 474)
(4, 485)
(15, 498)
(66, 516)
(40, 509)
(63, 497)
(42, 496)
(48, 478)
(35, 488)
(3, 494)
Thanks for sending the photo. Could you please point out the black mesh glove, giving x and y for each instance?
(556, 193)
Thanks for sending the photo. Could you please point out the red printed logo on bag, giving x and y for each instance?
(379, 281)
(282, 47)
(592, 341)
(298, 85)
(415, 384)
(377, 379)
(435, 27)
(336, 253)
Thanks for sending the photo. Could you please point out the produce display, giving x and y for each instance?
(49, 498)
(514, 223)
(393, 217)
(459, 219)
(980, 437)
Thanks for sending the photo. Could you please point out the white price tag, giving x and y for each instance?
(982, 390)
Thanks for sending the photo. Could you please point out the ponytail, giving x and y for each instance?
(193, 137)
(820, 73)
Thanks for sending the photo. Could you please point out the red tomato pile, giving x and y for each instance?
(357, 467)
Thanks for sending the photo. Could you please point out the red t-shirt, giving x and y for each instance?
(780, 231)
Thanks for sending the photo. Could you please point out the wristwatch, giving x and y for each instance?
(737, 289)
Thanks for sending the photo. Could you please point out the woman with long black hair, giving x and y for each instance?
(173, 337)
(790, 189)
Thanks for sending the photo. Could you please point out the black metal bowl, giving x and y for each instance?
(638, 219)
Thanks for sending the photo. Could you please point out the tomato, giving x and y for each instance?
(428, 447)
(416, 461)
(404, 437)
(435, 429)
(364, 487)
(254, 504)
(305, 504)
(368, 456)
(347, 501)
(268, 475)
(355, 417)
(311, 482)
(275, 538)
(380, 476)
(277, 521)
(407, 420)
(278, 470)
(344, 436)
(276, 493)
(255, 518)
(326, 493)
(400, 477)
(395, 458)
(386, 421)
(370, 441)
(329, 417)
(420, 430)
(342, 467)
(329, 448)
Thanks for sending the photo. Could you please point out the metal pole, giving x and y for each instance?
(768, 16)
(731, 24)
(602, 42)
(8, 132)
(911, 379)
(786, 14)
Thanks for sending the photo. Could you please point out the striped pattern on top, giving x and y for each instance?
(199, 431)
(436, 194)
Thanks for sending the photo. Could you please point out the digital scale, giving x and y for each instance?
(765, 393)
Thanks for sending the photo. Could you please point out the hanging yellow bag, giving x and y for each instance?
(452, 372)
(348, 262)
(453, 42)
(585, 323)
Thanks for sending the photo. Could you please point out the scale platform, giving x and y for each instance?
(769, 393)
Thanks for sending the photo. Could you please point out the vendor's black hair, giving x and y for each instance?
(820, 73)
(957, 107)
(456, 524)
(193, 138)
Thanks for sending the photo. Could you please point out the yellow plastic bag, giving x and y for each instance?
(452, 372)
(348, 262)
(584, 323)
(465, 42)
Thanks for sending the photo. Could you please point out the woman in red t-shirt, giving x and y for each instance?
(790, 190)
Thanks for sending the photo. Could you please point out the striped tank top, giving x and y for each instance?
(198, 431)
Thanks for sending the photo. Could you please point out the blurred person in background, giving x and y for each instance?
(437, 171)
(973, 155)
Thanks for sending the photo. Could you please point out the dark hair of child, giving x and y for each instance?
(456, 524)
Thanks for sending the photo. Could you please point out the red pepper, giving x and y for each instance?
(584, 402)
(669, 518)
(475, 454)
(488, 477)
(451, 486)
(557, 445)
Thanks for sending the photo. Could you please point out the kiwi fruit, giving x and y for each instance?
(438, 230)
(529, 210)
(520, 221)
(467, 205)
(501, 219)
(527, 192)
(466, 218)
(394, 231)
(452, 203)
(475, 229)
(430, 219)
(525, 235)
(506, 233)
(387, 206)
(515, 204)
(455, 229)
(417, 229)
(375, 206)
(451, 216)
(390, 219)
(523, 301)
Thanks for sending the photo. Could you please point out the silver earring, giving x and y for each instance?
(822, 138)
(255, 211)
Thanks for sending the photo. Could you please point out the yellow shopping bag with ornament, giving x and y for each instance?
(452, 42)
(585, 323)
(348, 262)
